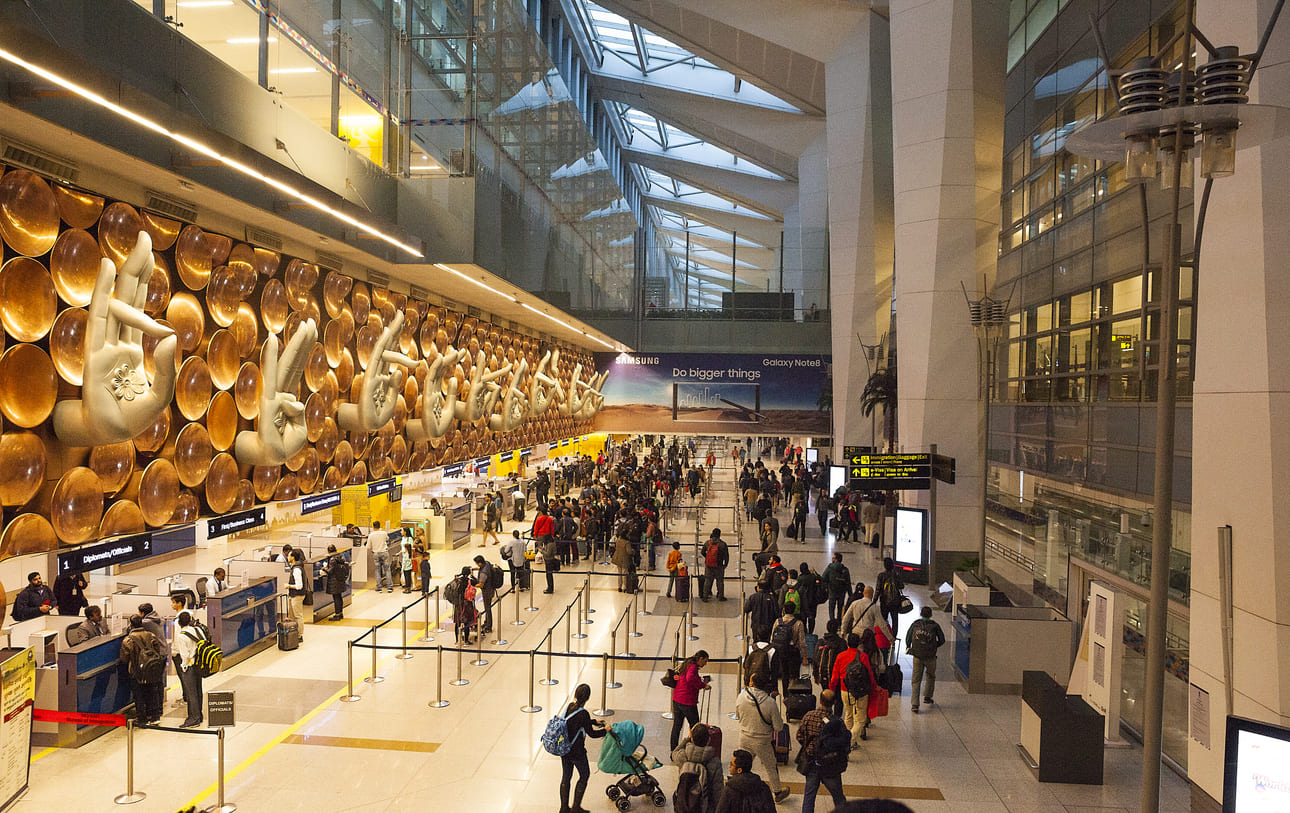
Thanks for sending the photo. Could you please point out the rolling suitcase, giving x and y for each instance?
(781, 745)
(682, 585)
(893, 679)
(714, 732)
(812, 644)
(288, 628)
(799, 699)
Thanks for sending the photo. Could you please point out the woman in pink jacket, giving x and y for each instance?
(685, 696)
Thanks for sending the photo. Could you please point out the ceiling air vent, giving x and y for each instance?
(263, 239)
(378, 279)
(329, 261)
(22, 156)
(417, 292)
(171, 207)
(471, 310)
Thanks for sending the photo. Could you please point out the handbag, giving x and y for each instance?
(802, 762)
(669, 678)
(879, 701)
(906, 606)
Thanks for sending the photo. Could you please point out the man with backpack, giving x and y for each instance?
(837, 581)
(701, 774)
(922, 640)
(853, 677)
(823, 758)
(890, 595)
(762, 610)
(490, 578)
(144, 657)
(188, 636)
(826, 652)
(788, 638)
(716, 555)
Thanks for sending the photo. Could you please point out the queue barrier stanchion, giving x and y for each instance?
(349, 696)
(403, 621)
(374, 677)
(734, 715)
(532, 608)
(479, 650)
(550, 681)
(130, 796)
(438, 701)
(497, 626)
(644, 610)
(634, 623)
(586, 600)
(460, 681)
(576, 606)
(531, 708)
(604, 710)
(426, 637)
(518, 622)
(681, 632)
(611, 665)
(222, 805)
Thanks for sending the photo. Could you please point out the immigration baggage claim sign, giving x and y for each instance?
(717, 393)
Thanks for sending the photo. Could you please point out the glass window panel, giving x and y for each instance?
(1075, 234)
(1126, 295)
(1014, 166)
(1124, 343)
(1082, 307)
(1079, 350)
(1123, 387)
(1043, 187)
(1184, 323)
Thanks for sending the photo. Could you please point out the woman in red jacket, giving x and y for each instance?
(685, 696)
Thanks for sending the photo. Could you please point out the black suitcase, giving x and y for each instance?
(893, 679)
(797, 705)
(288, 628)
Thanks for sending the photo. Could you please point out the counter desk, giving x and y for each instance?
(243, 620)
(88, 678)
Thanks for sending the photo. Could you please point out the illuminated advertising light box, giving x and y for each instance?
(837, 479)
(1256, 775)
(911, 539)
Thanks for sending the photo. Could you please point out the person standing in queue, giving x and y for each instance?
(379, 543)
(685, 695)
(187, 636)
(297, 584)
(336, 577)
(144, 656)
(580, 725)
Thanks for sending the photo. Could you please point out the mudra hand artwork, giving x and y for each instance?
(280, 430)
(379, 395)
(117, 400)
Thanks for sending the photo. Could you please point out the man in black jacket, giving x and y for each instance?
(745, 792)
(35, 600)
(716, 555)
(762, 611)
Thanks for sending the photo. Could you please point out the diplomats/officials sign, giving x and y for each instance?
(220, 709)
(105, 554)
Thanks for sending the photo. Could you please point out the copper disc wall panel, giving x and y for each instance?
(186, 507)
(80, 210)
(265, 480)
(184, 313)
(113, 464)
(28, 385)
(246, 330)
(247, 391)
(122, 517)
(22, 467)
(315, 414)
(159, 289)
(193, 388)
(77, 506)
(26, 534)
(287, 488)
(343, 459)
(67, 344)
(245, 496)
(30, 302)
(28, 213)
(221, 421)
(119, 228)
(193, 454)
(197, 253)
(332, 479)
(221, 483)
(274, 307)
(309, 471)
(154, 437)
(74, 266)
(328, 439)
(223, 359)
(163, 231)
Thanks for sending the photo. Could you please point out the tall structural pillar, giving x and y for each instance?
(858, 133)
(947, 99)
(1240, 409)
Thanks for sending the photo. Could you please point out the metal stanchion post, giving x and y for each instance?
(403, 620)
(681, 632)
(733, 714)
(690, 625)
(497, 627)
(550, 681)
(479, 651)
(373, 678)
(645, 596)
(531, 708)
(579, 634)
(568, 632)
(531, 608)
(438, 701)
(349, 696)
(586, 600)
(222, 806)
(130, 796)
(438, 625)
(668, 715)
(612, 665)
(518, 622)
(426, 637)
(634, 623)
(460, 681)
(604, 710)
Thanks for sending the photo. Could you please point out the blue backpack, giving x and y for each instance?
(555, 739)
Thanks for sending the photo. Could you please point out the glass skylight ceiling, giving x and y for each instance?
(625, 49)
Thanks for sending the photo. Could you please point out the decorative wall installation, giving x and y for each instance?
(152, 372)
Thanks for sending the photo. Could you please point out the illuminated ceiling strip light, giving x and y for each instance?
(199, 147)
(474, 281)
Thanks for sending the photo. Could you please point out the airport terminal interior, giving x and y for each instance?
(270, 269)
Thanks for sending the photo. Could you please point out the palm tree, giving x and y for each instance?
(880, 391)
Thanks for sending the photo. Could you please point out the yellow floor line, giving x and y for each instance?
(51, 749)
(277, 740)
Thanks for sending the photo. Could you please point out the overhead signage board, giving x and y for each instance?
(379, 487)
(233, 523)
(943, 468)
(892, 472)
(319, 502)
(105, 554)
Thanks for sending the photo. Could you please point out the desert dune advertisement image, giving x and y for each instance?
(717, 393)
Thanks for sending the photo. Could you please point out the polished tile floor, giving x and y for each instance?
(297, 747)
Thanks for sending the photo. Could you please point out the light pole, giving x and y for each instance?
(872, 352)
(1160, 111)
(989, 318)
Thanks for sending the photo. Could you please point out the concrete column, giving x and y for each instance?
(947, 100)
(858, 133)
(1241, 408)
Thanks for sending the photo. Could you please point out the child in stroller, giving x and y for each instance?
(623, 753)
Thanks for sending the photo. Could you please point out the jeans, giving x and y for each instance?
(568, 763)
(713, 575)
(764, 750)
(489, 596)
(191, 680)
(837, 606)
(687, 716)
(338, 603)
(833, 782)
(671, 581)
(382, 560)
(923, 666)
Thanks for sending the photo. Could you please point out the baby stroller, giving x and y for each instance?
(623, 753)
